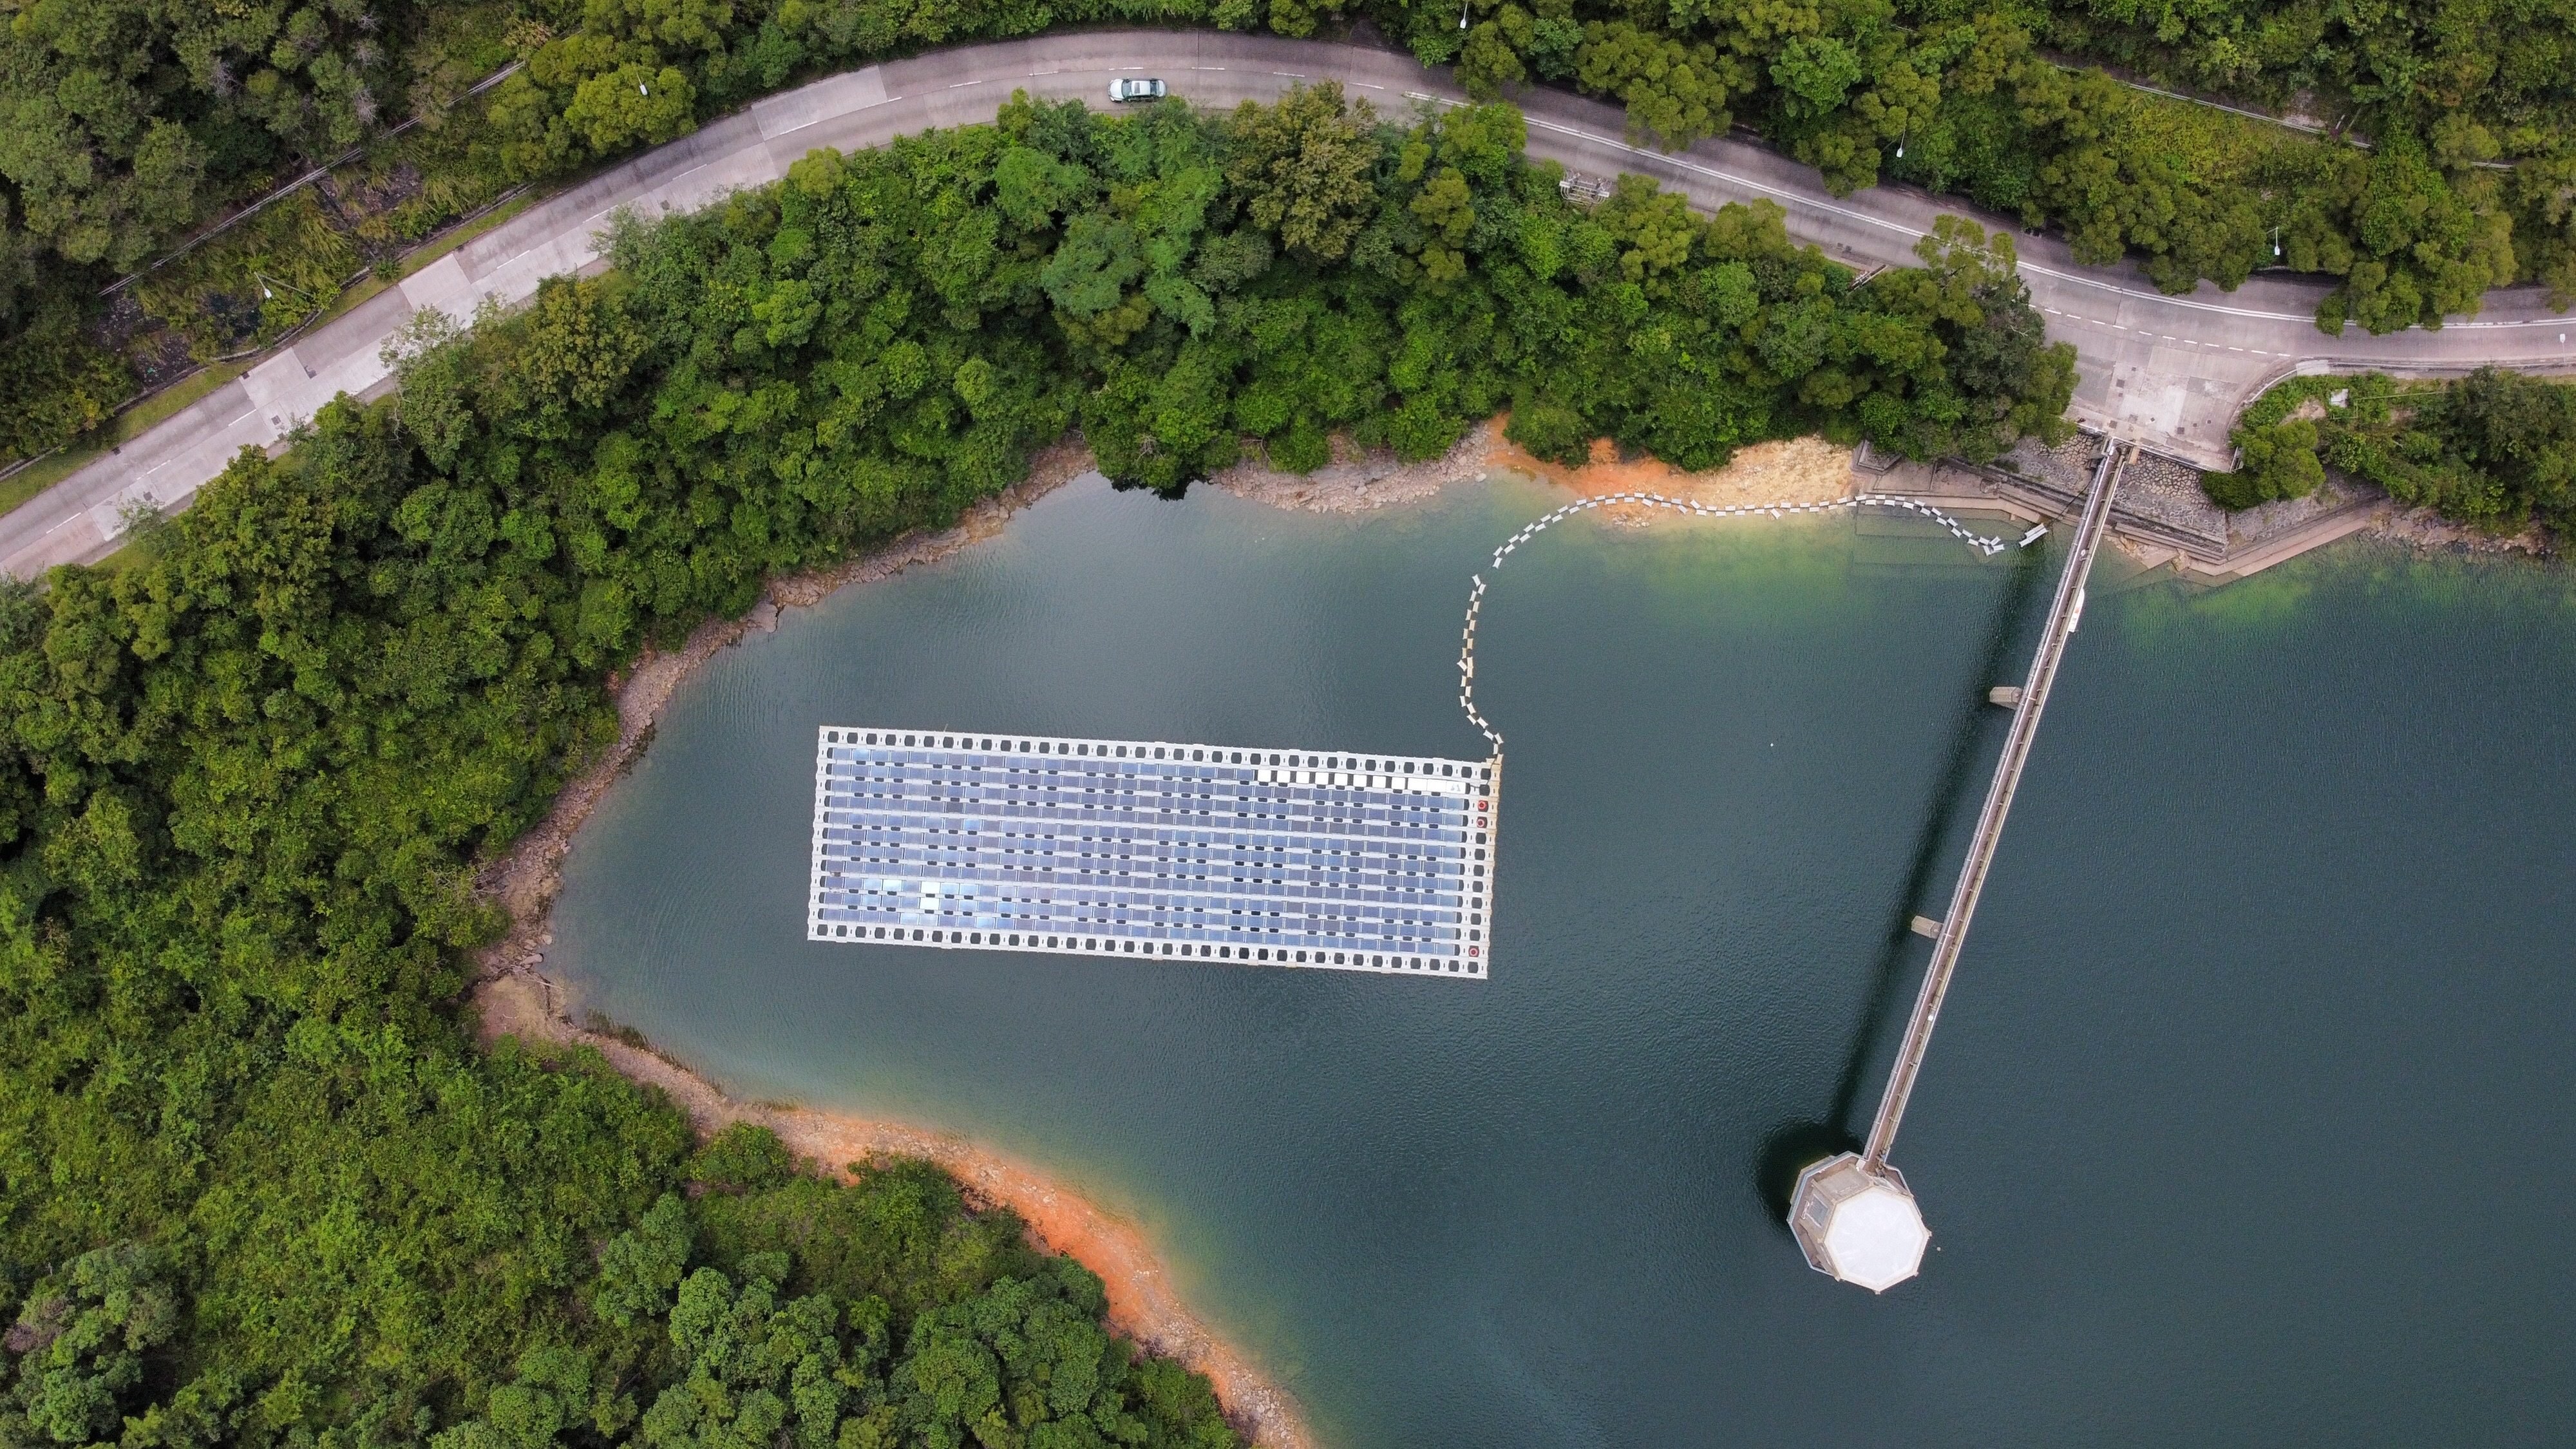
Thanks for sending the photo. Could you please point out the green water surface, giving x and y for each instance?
(2249, 1120)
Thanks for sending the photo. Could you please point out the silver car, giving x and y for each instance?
(1139, 88)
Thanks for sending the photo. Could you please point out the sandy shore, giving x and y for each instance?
(1793, 470)
(512, 997)
(1797, 470)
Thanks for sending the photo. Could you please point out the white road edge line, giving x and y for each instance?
(1901, 229)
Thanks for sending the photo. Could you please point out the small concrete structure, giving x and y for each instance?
(1856, 1225)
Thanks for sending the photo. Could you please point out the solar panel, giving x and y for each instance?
(1147, 848)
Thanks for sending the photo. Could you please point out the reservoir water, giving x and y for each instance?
(2252, 1115)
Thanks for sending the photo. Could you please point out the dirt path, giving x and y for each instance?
(512, 997)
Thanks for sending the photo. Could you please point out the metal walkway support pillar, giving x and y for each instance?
(1853, 1214)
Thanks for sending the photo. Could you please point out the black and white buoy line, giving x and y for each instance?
(1860, 1224)
(1476, 595)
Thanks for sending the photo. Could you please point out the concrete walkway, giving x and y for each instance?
(2170, 372)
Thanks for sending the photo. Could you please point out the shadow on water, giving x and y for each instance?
(1788, 1148)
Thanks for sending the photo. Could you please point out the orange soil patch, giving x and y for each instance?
(513, 998)
(1796, 470)
(1142, 1301)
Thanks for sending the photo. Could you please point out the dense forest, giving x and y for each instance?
(512, 1295)
(2496, 449)
(130, 123)
(1970, 100)
(257, 1186)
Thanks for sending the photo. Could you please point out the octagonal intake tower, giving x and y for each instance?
(1858, 1225)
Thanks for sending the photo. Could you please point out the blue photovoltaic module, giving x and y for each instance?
(1148, 848)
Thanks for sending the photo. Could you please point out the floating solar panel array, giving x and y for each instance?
(1139, 848)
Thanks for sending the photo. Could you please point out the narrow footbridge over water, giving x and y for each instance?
(1326, 859)
(1853, 1214)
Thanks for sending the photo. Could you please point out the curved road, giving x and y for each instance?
(2167, 372)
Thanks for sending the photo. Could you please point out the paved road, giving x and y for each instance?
(2169, 372)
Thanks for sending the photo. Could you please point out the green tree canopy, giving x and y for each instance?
(1302, 168)
(247, 781)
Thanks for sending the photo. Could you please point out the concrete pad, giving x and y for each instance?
(822, 101)
(74, 540)
(2093, 379)
(442, 286)
(276, 385)
(359, 333)
(354, 372)
(720, 176)
(208, 416)
(513, 276)
(177, 478)
(108, 516)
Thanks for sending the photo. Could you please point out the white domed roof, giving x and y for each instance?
(1857, 1225)
(1876, 1237)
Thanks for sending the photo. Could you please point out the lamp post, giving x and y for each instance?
(265, 282)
